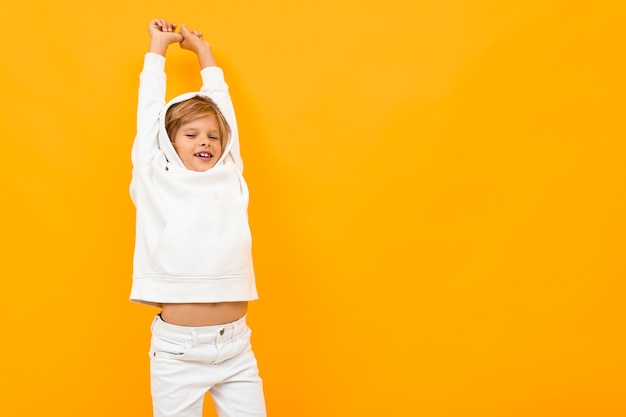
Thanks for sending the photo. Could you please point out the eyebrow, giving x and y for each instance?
(195, 129)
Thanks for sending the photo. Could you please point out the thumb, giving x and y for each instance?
(184, 31)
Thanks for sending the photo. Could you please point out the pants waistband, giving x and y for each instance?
(174, 332)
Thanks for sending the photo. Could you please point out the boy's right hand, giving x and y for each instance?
(162, 34)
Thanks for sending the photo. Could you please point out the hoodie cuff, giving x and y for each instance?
(153, 62)
(212, 77)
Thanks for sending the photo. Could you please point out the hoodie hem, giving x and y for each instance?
(157, 290)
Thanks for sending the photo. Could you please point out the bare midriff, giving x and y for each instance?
(203, 314)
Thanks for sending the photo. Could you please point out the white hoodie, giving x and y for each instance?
(192, 240)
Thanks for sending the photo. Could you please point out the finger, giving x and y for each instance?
(184, 32)
(168, 26)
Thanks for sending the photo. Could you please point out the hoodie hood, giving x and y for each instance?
(165, 143)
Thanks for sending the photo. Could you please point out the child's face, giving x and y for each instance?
(198, 143)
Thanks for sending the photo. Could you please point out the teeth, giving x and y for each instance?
(202, 154)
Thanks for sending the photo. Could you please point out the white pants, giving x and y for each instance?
(188, 362)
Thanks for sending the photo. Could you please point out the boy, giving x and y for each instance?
(193, 244)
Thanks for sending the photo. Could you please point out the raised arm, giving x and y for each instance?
(152, 88)
(213, 85)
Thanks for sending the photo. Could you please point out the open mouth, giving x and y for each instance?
(204, 155)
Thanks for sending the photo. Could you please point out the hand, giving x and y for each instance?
(162, 34)
(192, 41)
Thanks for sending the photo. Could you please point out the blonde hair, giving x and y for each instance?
(192, 109)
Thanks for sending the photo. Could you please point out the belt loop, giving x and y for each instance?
(194, 336)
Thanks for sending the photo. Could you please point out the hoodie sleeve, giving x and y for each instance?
(150, 102)
(214, 86)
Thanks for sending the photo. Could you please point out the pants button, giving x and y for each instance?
(222, 332)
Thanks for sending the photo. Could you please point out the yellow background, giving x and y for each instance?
(437, 203)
